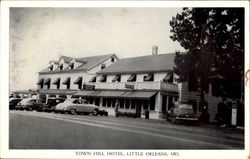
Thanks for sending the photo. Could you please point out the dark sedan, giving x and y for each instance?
(51, 104)
(13, 102)
(181, 112)
(30, 104)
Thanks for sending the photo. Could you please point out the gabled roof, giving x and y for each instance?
(87, 63)
(141, 64)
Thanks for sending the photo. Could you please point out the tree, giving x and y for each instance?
(214, 40)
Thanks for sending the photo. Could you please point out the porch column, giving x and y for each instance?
(158, 102)
(167, 106)
(101, 101)
(47, 96)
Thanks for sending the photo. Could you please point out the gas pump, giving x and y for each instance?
(234, 113)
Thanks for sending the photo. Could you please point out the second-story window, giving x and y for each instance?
(149, 77)
(67, 83)
(168, 78)
(57, 83)
(93, 79)
(112, 59)
(79, 82)
(47, 82)
(132, 78)
(117, 78)
(103, 78)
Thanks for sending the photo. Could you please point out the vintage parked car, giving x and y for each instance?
(51, 104)
(74, 106)
(30, 104)
(13, 102)
(181, 112)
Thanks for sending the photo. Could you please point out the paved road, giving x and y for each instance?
(41, 130)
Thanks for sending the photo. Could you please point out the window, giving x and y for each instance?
(97, 101)
(91, 100)
(168, 78)
(133, 104)
(117, 78)
(103, 78)
(103, 66)
(79, 82)
(93, 79)
(112, 59)
(121, 103)
(71, 66)
(152, 103)
(57, 83)
(127, 103)
(132, 78)
(104, 102)
(51, 67)
(60, 67)
(67, 83)
(108, 102)
(149, 77)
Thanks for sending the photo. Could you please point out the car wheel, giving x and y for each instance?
(95, 112)
(30, 109)
(173, 120)
(73, 111)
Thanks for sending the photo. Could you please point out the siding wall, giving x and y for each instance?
(213, 101)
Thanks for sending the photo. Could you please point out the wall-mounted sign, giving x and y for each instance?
(88, 86)
(130, 86)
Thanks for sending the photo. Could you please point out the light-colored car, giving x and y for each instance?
(74, 106)
(182, 112)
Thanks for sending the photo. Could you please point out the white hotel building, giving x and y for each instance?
(139, 83)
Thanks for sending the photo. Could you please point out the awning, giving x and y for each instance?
(138, 95)
(132, 78)
(57, 91)
(168, 78)
(116, 78)
(78, 81)
(47, 81)
(40, 82)
(93, 79)
(57, 81)
(103, 78)
(87, 93)
(67, 81)
(110, 94)
(150, 77)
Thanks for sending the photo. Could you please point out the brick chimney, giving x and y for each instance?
(155, 50)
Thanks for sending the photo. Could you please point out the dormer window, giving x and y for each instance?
(60, 67)
(51, 67)
(71, 66)
(103, 66)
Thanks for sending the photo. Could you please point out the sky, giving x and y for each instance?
(39, 35)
